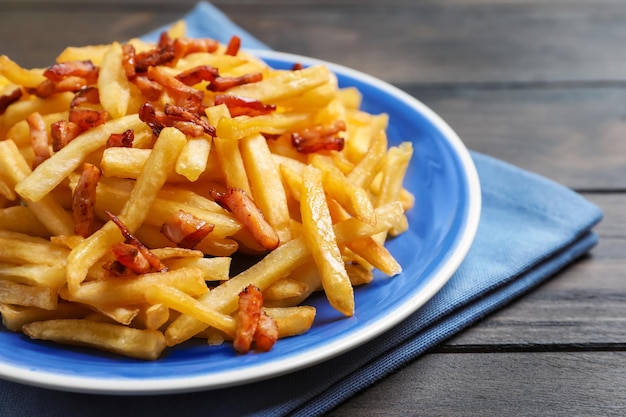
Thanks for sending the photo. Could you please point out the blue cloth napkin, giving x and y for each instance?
(530, 228)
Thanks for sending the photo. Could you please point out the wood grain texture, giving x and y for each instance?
(499, 384)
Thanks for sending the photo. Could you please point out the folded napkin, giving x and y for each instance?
(529, 229)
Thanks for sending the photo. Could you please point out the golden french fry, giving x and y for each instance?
(113, 83)
(142, 344)
(152, 316)
(51, 276)
(192, 161)
(184, 303)
(14, 317)
(285, 288)
(320, 239)
(292, 321)
(18, 75)
(28, 296)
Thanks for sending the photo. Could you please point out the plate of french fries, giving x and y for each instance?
(187, 215)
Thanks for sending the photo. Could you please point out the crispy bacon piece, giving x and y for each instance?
(86, 95)
(319, 138)
(84, 200)
(7, 99)
(250, 304)
(47, 87)
(196, 74)
(238, 105)
(150, 89)
(131, 257)
(183, 120)
(63, 132)
(224, 83)
(162, 55)
(183, 115)
(186, 230)
(297, 66)
(82, 69)
(128, 60)
(38, 138)
(186, 46)
(154, 261)
(266, 333)
(88, 118)
(233, 46)
(247, 212)
(182, 94)
(121, 140)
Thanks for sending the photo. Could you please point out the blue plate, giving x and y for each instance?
(442, 226)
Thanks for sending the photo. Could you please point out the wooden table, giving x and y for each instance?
(540, 84)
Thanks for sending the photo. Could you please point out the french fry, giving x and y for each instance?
(18, 75)
(320, 239)
(192, 161)
(141, 344)
(112, 82)
(28, 296)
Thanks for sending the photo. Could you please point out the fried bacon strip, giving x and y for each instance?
(84, 200)
(62, 132)
(183, 120)
(38, 138)
(129, 256)
(121, 140)
(319, 138)
(150, 89)
(220, 84)
(186, 46)
(86, 95)
(266, 333)
(182, 94)
(233, 46)
(246, 211)
(162, 55)
(154, 261)
(7, 99)
(82, 69)
(250, 305)
(197, 74)
(128, 60)
(238, 105)
(88, 118)
(186, 230)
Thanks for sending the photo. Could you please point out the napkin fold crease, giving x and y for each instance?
(530, 228)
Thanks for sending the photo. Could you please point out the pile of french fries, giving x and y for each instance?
(300, 178)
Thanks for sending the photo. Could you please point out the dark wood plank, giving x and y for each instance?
(476, 42)
(504, 384)
(570, 134)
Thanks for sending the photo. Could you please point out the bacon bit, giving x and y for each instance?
(182, 94)
(247, 212)
(319, 138)
(62, 133)
(84, 200)
(86, 95)
(88, 118)
(186, 230)
(38, 138)
(82, 69)
(225, 83)
(197, 74)
(233, 46)
(297, 66)
(154, 261)
(181, 114)
(47, 87)
(250, 304)
(116, 268)
(7, 99)
(238, 105)
(121, 140)
(179, 118)
(162, 55)
(186, 46)
(150, 89)
(266, 333)
(128, 60)
(131, 257)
